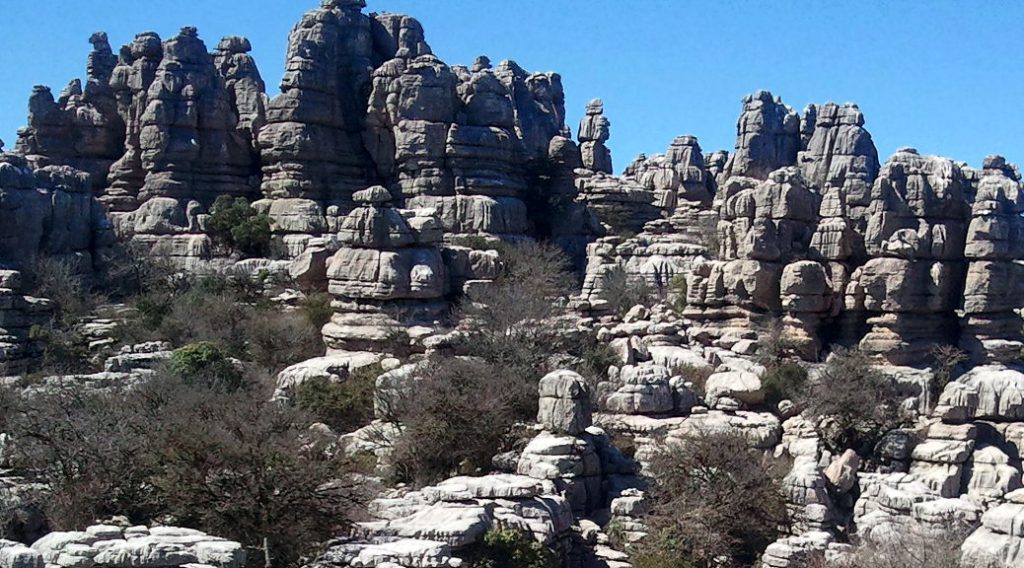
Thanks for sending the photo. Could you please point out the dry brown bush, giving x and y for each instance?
(715, 502)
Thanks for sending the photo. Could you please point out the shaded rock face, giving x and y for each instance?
(311, 146)
(82, 128)
(768, 137)
(47, 212)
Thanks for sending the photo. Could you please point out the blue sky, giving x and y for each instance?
(946, 77)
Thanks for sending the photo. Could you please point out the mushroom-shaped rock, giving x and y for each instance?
(372, 195)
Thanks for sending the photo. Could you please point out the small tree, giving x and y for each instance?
(622, 290)
(455, 418)
(715, 502)
(852, 402)
(947, 359)
(206, 363)
(237, 226)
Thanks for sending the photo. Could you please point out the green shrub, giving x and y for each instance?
(511, 549)
(344, 406)
(235, 225)
(206, 364)
(784, 381)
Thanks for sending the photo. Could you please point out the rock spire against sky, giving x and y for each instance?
(924, 75)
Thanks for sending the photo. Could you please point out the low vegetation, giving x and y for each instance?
(622, 290)
(236, 226)
(852, 402)
(345, 405)
(511, 549)
(715, 502)
(226, 461)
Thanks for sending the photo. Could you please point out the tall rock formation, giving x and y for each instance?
(768, 137)
(916, 231)
(991, 327)
(82, 127)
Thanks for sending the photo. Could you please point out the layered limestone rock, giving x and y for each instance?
(622, 203)
(82, 128)
(991, 328)
(839, 161)
(50, 212)
(763, 227)
(1000, 540)
(131, 80)
(595, 129)
(18, 314)
(111, 545)
(388, 275)
(666, 249)
(768, 138)
(433, 526)
(311, 147)
(916, 231)
(190, 141)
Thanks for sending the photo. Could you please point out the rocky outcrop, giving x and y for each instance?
(388, 275)
(82, 128)
(111, 545)
(768, 138)
(916, 231)
(991, 329)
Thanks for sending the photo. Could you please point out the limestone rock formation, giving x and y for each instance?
(768, 137)
(388, 272)
(82, 127)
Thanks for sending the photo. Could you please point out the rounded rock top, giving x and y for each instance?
(372, 195)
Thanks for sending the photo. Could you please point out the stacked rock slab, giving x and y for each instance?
(915, 234)
(192, 146)
(764, 225)
(311, 147)
(190, 142)
(388, 275)
(667, 247)
(47, 213)
(768, 137)
(990, 327)
(130, 81)
(82, 128)
(622, 203)
(18, 313)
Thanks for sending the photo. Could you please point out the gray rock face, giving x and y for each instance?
(311, 147)
(108, 545)
(564, 403)
(916, 231)
(82, 127)
(768, 137)
(388, 268)
(189, 139)
(990, 328)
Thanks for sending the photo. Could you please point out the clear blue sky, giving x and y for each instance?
(944, 76)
